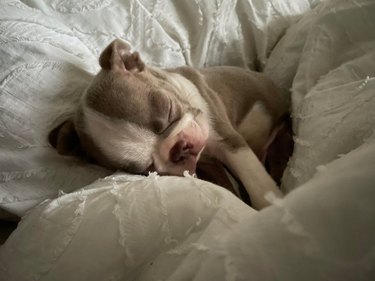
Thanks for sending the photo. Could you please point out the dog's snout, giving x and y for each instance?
(180, 151)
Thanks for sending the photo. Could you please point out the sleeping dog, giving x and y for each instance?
(140, 118)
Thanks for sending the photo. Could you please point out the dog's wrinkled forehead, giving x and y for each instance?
(126, 89)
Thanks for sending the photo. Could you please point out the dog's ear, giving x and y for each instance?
(117, 56)
(65, 139)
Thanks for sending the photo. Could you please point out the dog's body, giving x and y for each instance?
(140, 119)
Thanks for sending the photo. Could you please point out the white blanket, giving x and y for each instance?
(159, 228)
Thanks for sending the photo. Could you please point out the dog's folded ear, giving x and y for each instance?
(118, 56)
(65, 139)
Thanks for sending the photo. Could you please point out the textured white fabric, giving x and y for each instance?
(327, 60)
(49, 52)
(117, 229)
(165, 228)
(162, 228)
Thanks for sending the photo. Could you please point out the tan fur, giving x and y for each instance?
(132, 115)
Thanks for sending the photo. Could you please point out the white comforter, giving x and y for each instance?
(158, 228)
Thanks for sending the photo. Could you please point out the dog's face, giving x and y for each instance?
(137, 118)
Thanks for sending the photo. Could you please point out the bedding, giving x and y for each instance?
(106, 226)
(49, 51)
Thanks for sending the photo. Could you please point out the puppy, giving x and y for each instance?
(141, 118)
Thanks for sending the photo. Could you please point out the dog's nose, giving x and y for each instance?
(180, 151)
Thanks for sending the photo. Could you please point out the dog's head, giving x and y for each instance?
(136, 118)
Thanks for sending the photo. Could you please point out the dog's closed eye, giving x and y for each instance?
(167, 119)
(170, 113)
(169, 128)
(172, 117)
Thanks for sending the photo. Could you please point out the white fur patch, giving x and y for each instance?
(259, 106)
(256, 126)
(189, 92)
(120, 140)
(182, 123)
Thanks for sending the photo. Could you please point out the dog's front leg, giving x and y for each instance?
(246, 166)
(234, 152)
